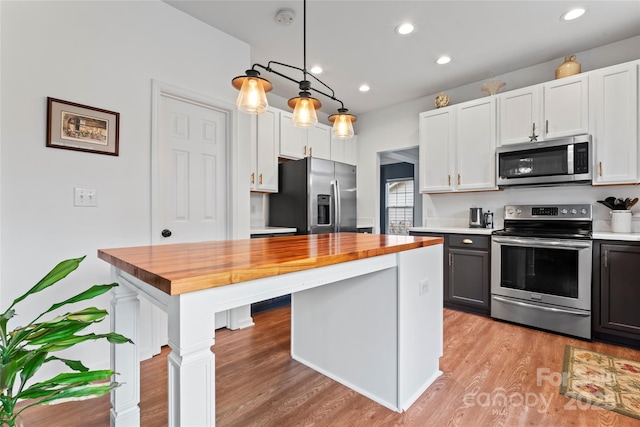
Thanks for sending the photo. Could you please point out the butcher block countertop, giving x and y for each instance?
(188, 267)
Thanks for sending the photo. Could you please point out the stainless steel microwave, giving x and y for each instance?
(552, 162)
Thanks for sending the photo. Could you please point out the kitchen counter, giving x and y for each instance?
(381, 289)
(454, 230)
(608, 235)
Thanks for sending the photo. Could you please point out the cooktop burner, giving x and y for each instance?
(552, 221)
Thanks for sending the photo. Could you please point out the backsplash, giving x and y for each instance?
(258, 203)
(452, 209)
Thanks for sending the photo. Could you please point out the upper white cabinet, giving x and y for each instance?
(345, 150)
(613, 94)
(265, 137)
(457, 147)
(520, 115)
(550, 110)
(476, 145)
(566, 107)
(436, 149)
(296, 143)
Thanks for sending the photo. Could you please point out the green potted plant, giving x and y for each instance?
(27, 348)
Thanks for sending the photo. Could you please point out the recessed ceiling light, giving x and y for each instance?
(405, 28)
(443, 60)
(572, 14)
(316, 69)
(364, 88)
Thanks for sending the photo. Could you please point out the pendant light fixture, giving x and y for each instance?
(252, 98)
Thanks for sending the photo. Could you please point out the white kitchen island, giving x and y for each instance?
(366, 311)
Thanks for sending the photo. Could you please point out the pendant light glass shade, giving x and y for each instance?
(304, 110)
(342, 124)
(252, 97)
(253, 89)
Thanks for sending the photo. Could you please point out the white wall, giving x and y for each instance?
(396, 128)
(103, 54)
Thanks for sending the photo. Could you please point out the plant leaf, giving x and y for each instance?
(76, 365)
(47, 335)
(92, 292)
(75, 339)
(65, 380)
(32, 365)
(88, 391)
(58, 272)
(8, 373)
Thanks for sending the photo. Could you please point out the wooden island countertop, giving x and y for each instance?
(187, 267)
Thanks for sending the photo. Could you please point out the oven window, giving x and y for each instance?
(541, 270)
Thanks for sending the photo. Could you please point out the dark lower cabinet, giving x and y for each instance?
(467, 284)
(467, 260)
(616, 292)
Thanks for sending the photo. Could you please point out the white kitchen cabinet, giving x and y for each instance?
(457, 147)
(436, 149)
(476, 145)
(265, 137)
(550, 110)
(613, 104)
(520, 113)
(319, 141)
(345, 150)
(297, 143)
(566, 106)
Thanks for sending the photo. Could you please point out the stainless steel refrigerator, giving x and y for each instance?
(314, 196)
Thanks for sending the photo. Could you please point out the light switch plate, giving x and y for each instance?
(85, 197)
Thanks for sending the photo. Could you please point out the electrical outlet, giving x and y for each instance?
(85, 197)
(423, 286)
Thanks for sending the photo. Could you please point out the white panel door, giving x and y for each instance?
(189, 195)
(191, 172)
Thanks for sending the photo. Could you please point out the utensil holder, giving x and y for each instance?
(621, 221)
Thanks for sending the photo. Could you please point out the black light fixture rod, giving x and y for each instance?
(271, 70)
(304, 38)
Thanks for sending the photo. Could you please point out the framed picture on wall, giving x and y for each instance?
(82, 128)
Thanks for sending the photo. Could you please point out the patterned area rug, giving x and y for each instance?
(598, 379)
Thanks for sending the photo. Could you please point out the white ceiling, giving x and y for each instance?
(355, 41)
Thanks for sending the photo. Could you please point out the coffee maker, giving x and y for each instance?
(476, 218)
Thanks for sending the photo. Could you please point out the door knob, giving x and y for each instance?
(166, 233)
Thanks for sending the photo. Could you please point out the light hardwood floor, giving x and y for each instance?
(258, 384)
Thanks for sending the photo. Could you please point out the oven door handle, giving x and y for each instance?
(534, 243)
(539, 307)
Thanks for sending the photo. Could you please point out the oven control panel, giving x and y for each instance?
(549, 212)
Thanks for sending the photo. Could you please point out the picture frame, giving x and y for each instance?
(78, 127)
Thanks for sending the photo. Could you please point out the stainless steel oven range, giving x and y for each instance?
(541, 267)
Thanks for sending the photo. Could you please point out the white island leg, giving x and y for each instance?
(125, 361)
(191, 363)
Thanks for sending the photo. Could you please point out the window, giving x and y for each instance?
(399, 204)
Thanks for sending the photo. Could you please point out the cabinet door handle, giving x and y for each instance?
(606, 259)
(310, 151)
(305, 150)
(450, 259)
(253, 177)
(467, 241)
(547, 127)
(458, 179)
(260, 179)
(600, 168)
(449, 179)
